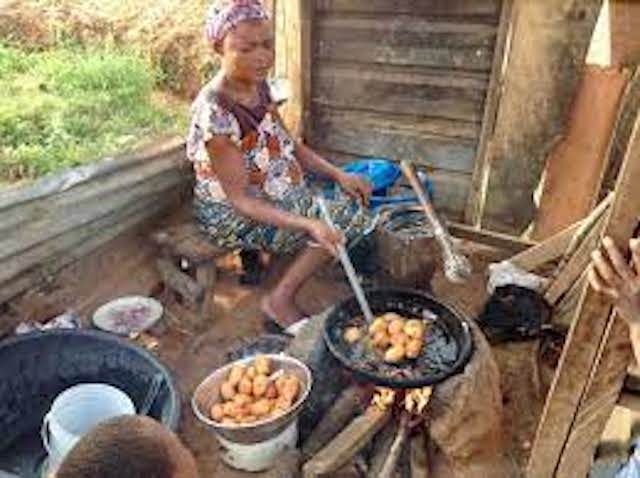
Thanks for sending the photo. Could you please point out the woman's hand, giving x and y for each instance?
(324, 236)
(613, 276)
(356, 187)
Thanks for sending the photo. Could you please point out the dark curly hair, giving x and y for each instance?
(124, 447)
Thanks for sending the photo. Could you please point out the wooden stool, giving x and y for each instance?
(188, 266)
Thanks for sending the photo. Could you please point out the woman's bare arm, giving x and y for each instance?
(230, 169)
(314, 162)
(355, 186)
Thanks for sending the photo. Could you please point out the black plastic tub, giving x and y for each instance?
(35, 368)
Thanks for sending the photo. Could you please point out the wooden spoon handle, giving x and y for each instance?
(407, 170)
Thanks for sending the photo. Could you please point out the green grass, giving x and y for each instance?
(67, 106)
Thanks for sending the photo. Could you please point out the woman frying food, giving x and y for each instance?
(251, 189)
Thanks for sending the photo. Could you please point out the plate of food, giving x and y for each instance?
(413, 341)
(128, 315)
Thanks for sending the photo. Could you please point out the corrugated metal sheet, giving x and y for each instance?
(404, 80)
(50, 223)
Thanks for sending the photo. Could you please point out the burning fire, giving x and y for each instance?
(415, 399)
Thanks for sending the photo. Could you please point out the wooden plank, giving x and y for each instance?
(488, 8)
(598, 402)
(576, 264)
(400, 31)
(586, 225)
(408, 75)
(465, 58)
(565, 309)
(56, 183)
(480, 180)
(93, 237)
(624, 124)
(26, 214)
(367, 136)
(418, 124)
(293, 61)
(187, 241)
(344, 88)
(584, 340)
(39, 242)
(545, 251)
(494, 239)
(576, 166)
(34, 257)
(72, 210)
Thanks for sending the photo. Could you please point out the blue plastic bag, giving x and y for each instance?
(383, 174)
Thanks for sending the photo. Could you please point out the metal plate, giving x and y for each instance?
(128, 315)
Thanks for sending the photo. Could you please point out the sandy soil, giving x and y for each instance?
(192, 349)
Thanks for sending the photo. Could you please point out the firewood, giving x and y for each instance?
(349, 442)
(334, 420)
(391, 462)
(287, 465)
(419, 459)
(381, 448)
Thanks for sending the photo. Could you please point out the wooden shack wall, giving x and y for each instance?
(403, 80)
(48, 224)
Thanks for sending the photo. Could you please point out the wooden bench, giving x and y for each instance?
(187, 266)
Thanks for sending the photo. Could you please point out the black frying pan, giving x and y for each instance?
(447, 349)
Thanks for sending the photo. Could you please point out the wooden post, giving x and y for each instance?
(480, 179)
(547, 49)
(293, 24)
(594, 347)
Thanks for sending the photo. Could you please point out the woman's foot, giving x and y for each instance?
(281, 310)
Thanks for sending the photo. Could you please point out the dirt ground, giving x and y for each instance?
(192, 350)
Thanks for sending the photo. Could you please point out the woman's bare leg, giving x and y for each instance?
(279, 304)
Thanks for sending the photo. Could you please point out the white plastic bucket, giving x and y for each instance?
(258, 456)
(75, 412)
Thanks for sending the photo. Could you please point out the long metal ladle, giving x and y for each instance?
(346, 263)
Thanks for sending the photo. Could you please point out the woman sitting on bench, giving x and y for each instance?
(251, 191)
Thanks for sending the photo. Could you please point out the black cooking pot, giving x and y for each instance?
(448, 344)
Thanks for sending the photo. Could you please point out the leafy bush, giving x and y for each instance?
(68, 105)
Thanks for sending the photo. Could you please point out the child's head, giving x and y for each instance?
(131, 447)
(241, 33)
